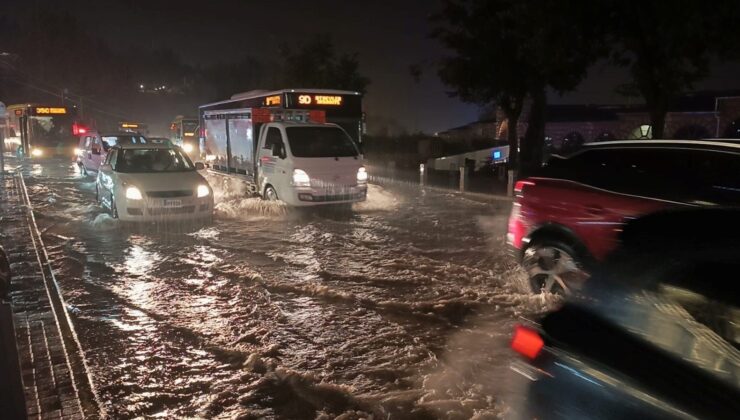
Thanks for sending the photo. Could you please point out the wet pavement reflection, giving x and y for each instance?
(400, 308)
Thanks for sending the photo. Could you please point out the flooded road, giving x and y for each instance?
(400, 309)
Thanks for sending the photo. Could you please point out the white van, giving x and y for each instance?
(93, 148)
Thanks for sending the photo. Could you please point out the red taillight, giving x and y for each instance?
(519, 186)
(527, 342)
(78, 129)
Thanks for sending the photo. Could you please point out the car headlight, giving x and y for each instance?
(78, 151)
(361, 175)
(36, 152)
(203, 191)
(301, 178)
(133, 193)
(187, 147)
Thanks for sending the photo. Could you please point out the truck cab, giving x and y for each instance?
(304, 164)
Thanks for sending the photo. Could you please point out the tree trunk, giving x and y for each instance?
(534, 138)
(657, 121)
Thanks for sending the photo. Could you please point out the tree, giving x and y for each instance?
(505, 51)
(668, 46)
(316, 64)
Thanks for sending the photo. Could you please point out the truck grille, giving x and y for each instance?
(169, 194)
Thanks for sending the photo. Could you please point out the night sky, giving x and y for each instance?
(389, 36)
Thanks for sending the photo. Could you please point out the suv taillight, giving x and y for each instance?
(527, 342)
(519, 186)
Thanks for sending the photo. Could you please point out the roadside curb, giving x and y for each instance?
(55, 375)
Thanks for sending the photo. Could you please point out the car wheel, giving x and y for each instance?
(4, 274)
(270, 193)
(553, 267)
(84, 169)
(113, 207)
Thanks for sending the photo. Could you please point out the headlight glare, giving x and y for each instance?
(362, 175)
(187, 147)
(301, 178)
(36, 152)
(133, 193)
(203, 191)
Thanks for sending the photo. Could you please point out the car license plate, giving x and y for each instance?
(173, 203)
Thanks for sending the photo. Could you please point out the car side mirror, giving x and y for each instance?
(199, 166)
(278, 150)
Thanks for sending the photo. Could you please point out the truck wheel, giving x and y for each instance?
(553, 267)
(270, 193)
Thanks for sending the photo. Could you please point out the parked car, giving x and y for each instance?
(655, 336)
(93, 148)
(153, 182)
(567, 218)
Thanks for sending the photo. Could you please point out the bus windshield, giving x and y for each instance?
(51, 131)
(189, 126)
(314, 142)
(152, 160)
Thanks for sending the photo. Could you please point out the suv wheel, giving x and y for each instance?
(553, 267)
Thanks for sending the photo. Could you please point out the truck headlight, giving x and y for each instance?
(133, 193)
(203, 191)
(187, 147)
(361, 175)
(36, 152)
(301, 178)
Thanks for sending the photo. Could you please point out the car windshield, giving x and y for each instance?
(153, 160)
(313, 142)
(110, 141)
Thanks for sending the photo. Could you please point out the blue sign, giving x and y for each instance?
(497, 154)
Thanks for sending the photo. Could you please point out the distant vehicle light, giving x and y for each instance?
(189, 134)
(37, 152)
(210, 158)
(78, 151)
(527, 342)
(301, 178)
(361, 175)
(187, 147)
(203, 191)
(133, 193)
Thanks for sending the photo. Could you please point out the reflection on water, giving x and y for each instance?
(272, 312)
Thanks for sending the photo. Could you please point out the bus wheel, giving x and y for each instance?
(270, 193)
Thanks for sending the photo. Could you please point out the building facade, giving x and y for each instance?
(697, 116)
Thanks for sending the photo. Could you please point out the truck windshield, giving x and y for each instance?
(313, 142)
(152, 160)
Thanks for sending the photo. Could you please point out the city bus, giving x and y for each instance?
(133, 127)
(184, 133)
(40, 130)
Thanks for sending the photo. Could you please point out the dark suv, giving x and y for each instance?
(569, 216)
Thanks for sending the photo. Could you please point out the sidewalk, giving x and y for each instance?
(53, 369)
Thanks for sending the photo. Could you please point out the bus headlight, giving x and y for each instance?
(36, 152)
(362, 175)
(187, 147)
(203, 191)
(301, 178)
(133, 193)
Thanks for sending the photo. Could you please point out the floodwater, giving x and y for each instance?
(401, 308)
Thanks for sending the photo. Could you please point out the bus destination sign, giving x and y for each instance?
(43, 110)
